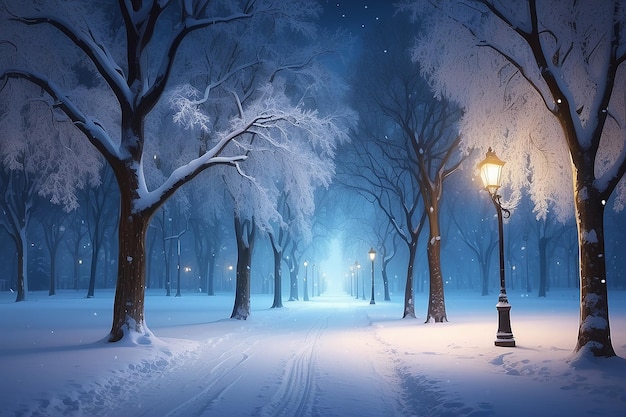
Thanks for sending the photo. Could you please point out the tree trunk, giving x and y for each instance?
(293, 275)
(95, 248)
(594, 332)
(293, 284)
(305, 284)
(436, 301)
(484, 268)
(53, 268)
(22, 268)
(409, 300)
(244, 232)
(128, 308)
(278, 257)
(385, 281)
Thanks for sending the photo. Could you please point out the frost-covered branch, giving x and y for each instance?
(94, 131)
(185, 27)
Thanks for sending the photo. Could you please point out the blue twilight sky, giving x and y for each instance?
(356, 15)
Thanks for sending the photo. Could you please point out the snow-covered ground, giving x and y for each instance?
(331, 356)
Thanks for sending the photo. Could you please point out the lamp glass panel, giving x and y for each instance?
(490, 174)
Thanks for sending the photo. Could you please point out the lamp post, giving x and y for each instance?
(372, 254)
(306, 285)
(490, 172)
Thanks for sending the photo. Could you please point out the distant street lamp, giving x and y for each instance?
(372, 254)
(306, 285)
(490, 172)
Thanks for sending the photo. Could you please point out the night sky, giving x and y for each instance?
(355, 15)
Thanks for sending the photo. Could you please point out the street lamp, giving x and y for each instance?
(490, 172)
(372, 254)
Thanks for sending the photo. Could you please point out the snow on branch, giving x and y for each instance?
(97, 53)
(93, 130)
(186, 104)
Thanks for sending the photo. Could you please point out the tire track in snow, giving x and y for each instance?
(297, 388)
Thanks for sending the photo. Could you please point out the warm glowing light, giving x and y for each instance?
(491, 171)
(372, 254)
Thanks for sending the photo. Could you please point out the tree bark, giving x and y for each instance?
(385, 281)
(22, 259)
(53, 268)
(436, 300)
(278, 258)
(244, 231)
(484, 268)
(293, 284)
(95, 249)
(594, 330)
(128, 308)
(409, 299)
(293, 274)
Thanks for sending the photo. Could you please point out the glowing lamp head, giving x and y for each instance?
(372, 254)
(306, 263)
(491, 171)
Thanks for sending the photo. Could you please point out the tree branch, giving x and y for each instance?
(93, 130)
(98, 54)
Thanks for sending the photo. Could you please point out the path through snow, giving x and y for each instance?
(331, 356)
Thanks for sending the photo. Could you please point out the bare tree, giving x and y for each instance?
(425, 133)
(101, 218)
(53, 221)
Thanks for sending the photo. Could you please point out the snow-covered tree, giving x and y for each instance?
(142, 57)
(289, 162)
(41, 155)
(542, 83)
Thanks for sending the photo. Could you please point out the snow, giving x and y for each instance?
(331, 356)
(590, 236)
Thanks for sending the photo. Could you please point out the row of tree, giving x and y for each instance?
(241, 81)
(254, 106)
